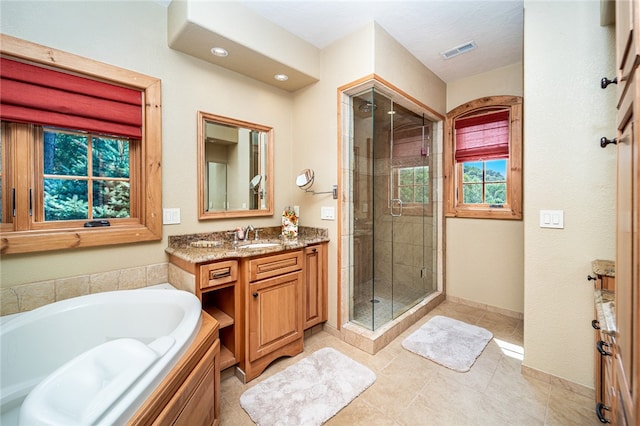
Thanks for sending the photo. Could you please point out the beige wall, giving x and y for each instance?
(484, 261)
(132, 35)
(565, 114)
(315, 124)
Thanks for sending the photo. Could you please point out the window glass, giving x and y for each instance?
(110, 157)
(72, 189)
(485, 182)
(65, 154)
(496, 182)
(110, 199)
(413, 184)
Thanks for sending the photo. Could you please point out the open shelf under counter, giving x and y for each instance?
(223, 319)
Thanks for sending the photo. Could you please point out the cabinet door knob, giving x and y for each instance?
(255, 294)
(600, 346)
(595, 324)
(604, 142)
(604, 82)
(599, 407)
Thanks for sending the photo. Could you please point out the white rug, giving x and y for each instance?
(449, 342)
(309, 392)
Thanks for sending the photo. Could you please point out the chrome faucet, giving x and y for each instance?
(246, 232)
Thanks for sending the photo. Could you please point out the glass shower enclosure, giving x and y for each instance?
(393, 213)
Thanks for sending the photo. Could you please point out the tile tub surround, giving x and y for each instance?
(28, 296)
(223, 248)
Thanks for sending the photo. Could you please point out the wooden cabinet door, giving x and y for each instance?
(626, 387)
(201, 407)
(314, 290)
(626, 291)
(274, 314)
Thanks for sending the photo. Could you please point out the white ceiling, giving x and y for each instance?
(424, 27)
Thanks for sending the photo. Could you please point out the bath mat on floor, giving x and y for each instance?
(309, 392)
(449, 342)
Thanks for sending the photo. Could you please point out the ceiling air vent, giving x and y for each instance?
(458, 50)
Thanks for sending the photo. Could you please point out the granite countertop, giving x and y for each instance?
(207, 247)
(605, 311)
(605, 299)
(605, 268)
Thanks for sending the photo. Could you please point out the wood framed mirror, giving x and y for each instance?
(235, 168)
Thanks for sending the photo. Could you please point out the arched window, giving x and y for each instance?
(483, 159)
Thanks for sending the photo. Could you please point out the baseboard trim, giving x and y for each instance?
(558, 381)
(484, 306)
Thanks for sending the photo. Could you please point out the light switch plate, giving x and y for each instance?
(328, 213)
(552, 219)
(170, 216)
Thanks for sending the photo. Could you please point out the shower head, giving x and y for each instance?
(367, 107)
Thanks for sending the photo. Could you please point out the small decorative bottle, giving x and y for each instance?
(289, 223)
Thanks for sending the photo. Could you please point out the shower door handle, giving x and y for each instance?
(396, 202)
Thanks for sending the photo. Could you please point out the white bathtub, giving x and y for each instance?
(70, 357)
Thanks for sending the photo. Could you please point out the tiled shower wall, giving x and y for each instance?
(25, 297)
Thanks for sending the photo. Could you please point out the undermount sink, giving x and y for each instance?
(258, 245)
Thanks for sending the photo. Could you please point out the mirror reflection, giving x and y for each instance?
(305, 179)
(235, 168)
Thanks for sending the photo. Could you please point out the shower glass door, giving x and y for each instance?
(393, 236)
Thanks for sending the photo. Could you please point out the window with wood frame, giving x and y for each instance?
(81, 151)
(483, 159)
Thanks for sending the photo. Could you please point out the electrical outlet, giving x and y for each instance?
(170, 216)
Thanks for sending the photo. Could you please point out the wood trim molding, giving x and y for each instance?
(149, 227)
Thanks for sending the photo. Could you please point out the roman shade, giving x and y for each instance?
(408, 143)
(482, 137)
(38, 95)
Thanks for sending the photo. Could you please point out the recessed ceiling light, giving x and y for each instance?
(458, 50)
(219, 51)
(281, 77)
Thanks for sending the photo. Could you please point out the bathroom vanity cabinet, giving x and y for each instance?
(273, 305)
(263, 299)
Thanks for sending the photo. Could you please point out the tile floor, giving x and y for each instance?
(410, 390)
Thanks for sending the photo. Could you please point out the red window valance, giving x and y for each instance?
(37, 95)
(482, 137)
